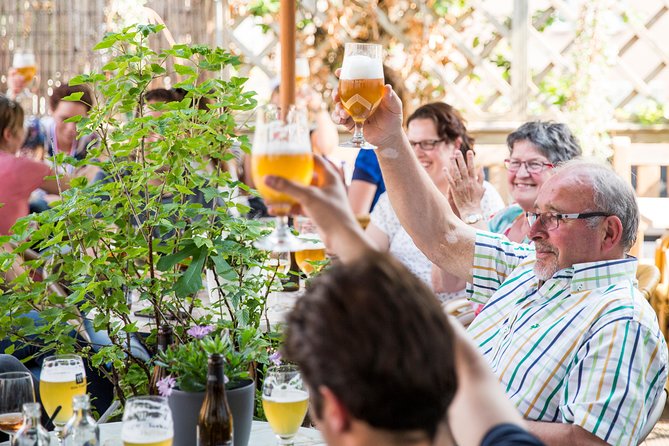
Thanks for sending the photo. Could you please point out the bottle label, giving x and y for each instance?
(200, 443)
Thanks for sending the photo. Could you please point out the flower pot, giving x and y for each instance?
(186, 406)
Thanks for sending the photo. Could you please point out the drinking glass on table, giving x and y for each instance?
(313, 247)
(16, 389)
(62, 378)
(285, 401)
(361, 86)
(147, 421)
(280, 147)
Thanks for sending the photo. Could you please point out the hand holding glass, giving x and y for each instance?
(16, 389)
(285, 401)
(361, 86)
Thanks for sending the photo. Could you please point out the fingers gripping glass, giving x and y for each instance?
(530, 166)
(551, 220)
(427, 145)
(361, 85)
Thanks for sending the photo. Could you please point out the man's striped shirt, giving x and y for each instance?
(585, 348)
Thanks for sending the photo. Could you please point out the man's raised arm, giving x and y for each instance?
(423, 211)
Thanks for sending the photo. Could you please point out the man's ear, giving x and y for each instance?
(333, 413)
(612, 233)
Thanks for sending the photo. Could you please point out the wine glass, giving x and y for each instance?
(361, 86)
(147, 420)
(62, 378)
(16, 388)
(285, 400)
(280, 147)
(313, 247)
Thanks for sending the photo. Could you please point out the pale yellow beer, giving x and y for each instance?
(56, 393)
(360, 97)
(285, 410)
(309, 255)
(148, 442)
(298, 167)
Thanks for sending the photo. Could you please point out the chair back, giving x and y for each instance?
(654, 416)
(661, 249)
(648, 277)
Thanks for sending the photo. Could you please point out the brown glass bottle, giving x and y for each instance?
(165, 338)
(214, 426)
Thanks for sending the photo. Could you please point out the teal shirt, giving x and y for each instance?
(501, 222)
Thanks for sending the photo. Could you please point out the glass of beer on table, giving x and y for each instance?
(16, 389)
(62, 378)
(361, 86)
(281, 146)
(147, 421)
(285, 401)
(313, 250)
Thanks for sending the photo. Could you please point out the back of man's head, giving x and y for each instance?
(377, 338)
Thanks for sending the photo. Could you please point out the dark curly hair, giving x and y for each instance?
(449, 123)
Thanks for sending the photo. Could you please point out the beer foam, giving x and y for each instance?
(287, 396)
(60, 374)
(277, 138)
(358, 66)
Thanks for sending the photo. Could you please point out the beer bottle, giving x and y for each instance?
(214, 426)
(32, 433)
(165, 339)
(81, 429)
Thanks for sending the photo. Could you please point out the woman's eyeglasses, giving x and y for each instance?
(532, 166)
(427, 145)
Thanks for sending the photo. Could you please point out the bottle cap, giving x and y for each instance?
(81, 402)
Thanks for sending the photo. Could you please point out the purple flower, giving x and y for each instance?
(275, 357)
(200, 331)
(165, 385)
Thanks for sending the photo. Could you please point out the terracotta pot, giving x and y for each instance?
(186, 406)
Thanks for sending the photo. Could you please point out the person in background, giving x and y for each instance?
(407, 376)
(535, 148)
(436, 132)
(367, 182)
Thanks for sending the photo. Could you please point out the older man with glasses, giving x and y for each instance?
(574, 343)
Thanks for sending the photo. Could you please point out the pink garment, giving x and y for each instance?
(19, 176)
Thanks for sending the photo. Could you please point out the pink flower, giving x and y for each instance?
(275, 357)
(200, 331)
(165, 385)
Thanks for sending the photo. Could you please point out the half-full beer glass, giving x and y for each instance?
(285, 401)
(62, 378)
(147, 421)
(281, 147)
(361, 86)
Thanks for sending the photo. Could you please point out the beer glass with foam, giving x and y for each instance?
(281, 146)
(62, 378)
(147, 421)
(361, 86)
(285, 401)
(313, 250)
(24, 62)
(16, 389)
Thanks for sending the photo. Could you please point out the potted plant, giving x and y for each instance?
(161, 216)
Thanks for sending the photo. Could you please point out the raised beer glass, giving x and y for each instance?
(280, 147)
(62, 378)
(361, 86)
(285, 401)
(24, 62)
(147, 421)
(16, 388)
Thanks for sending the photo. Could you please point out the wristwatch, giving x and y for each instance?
(471, 219)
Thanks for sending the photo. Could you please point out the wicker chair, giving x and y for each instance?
(660, 298)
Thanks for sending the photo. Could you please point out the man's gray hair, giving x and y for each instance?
(554, 140)
(611, 194)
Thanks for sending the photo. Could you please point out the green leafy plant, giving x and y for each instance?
(145, 234)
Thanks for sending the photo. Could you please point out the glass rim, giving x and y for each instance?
(282, 368)
(149, 398)
(64, 356)
(364, 44)
(19, 375)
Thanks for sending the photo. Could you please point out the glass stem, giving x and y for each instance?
(357, 132)
(282, 229)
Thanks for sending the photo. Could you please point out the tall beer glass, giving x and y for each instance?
(24, 62)
(147, 421)
(361, 86)
(285, 401)
(280, 147)
(62, 378)
(16, 388)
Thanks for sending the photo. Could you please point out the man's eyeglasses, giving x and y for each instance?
(532, 166)
(427, 145)
(551, 220)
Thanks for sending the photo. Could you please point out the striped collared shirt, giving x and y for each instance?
(585, 348)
